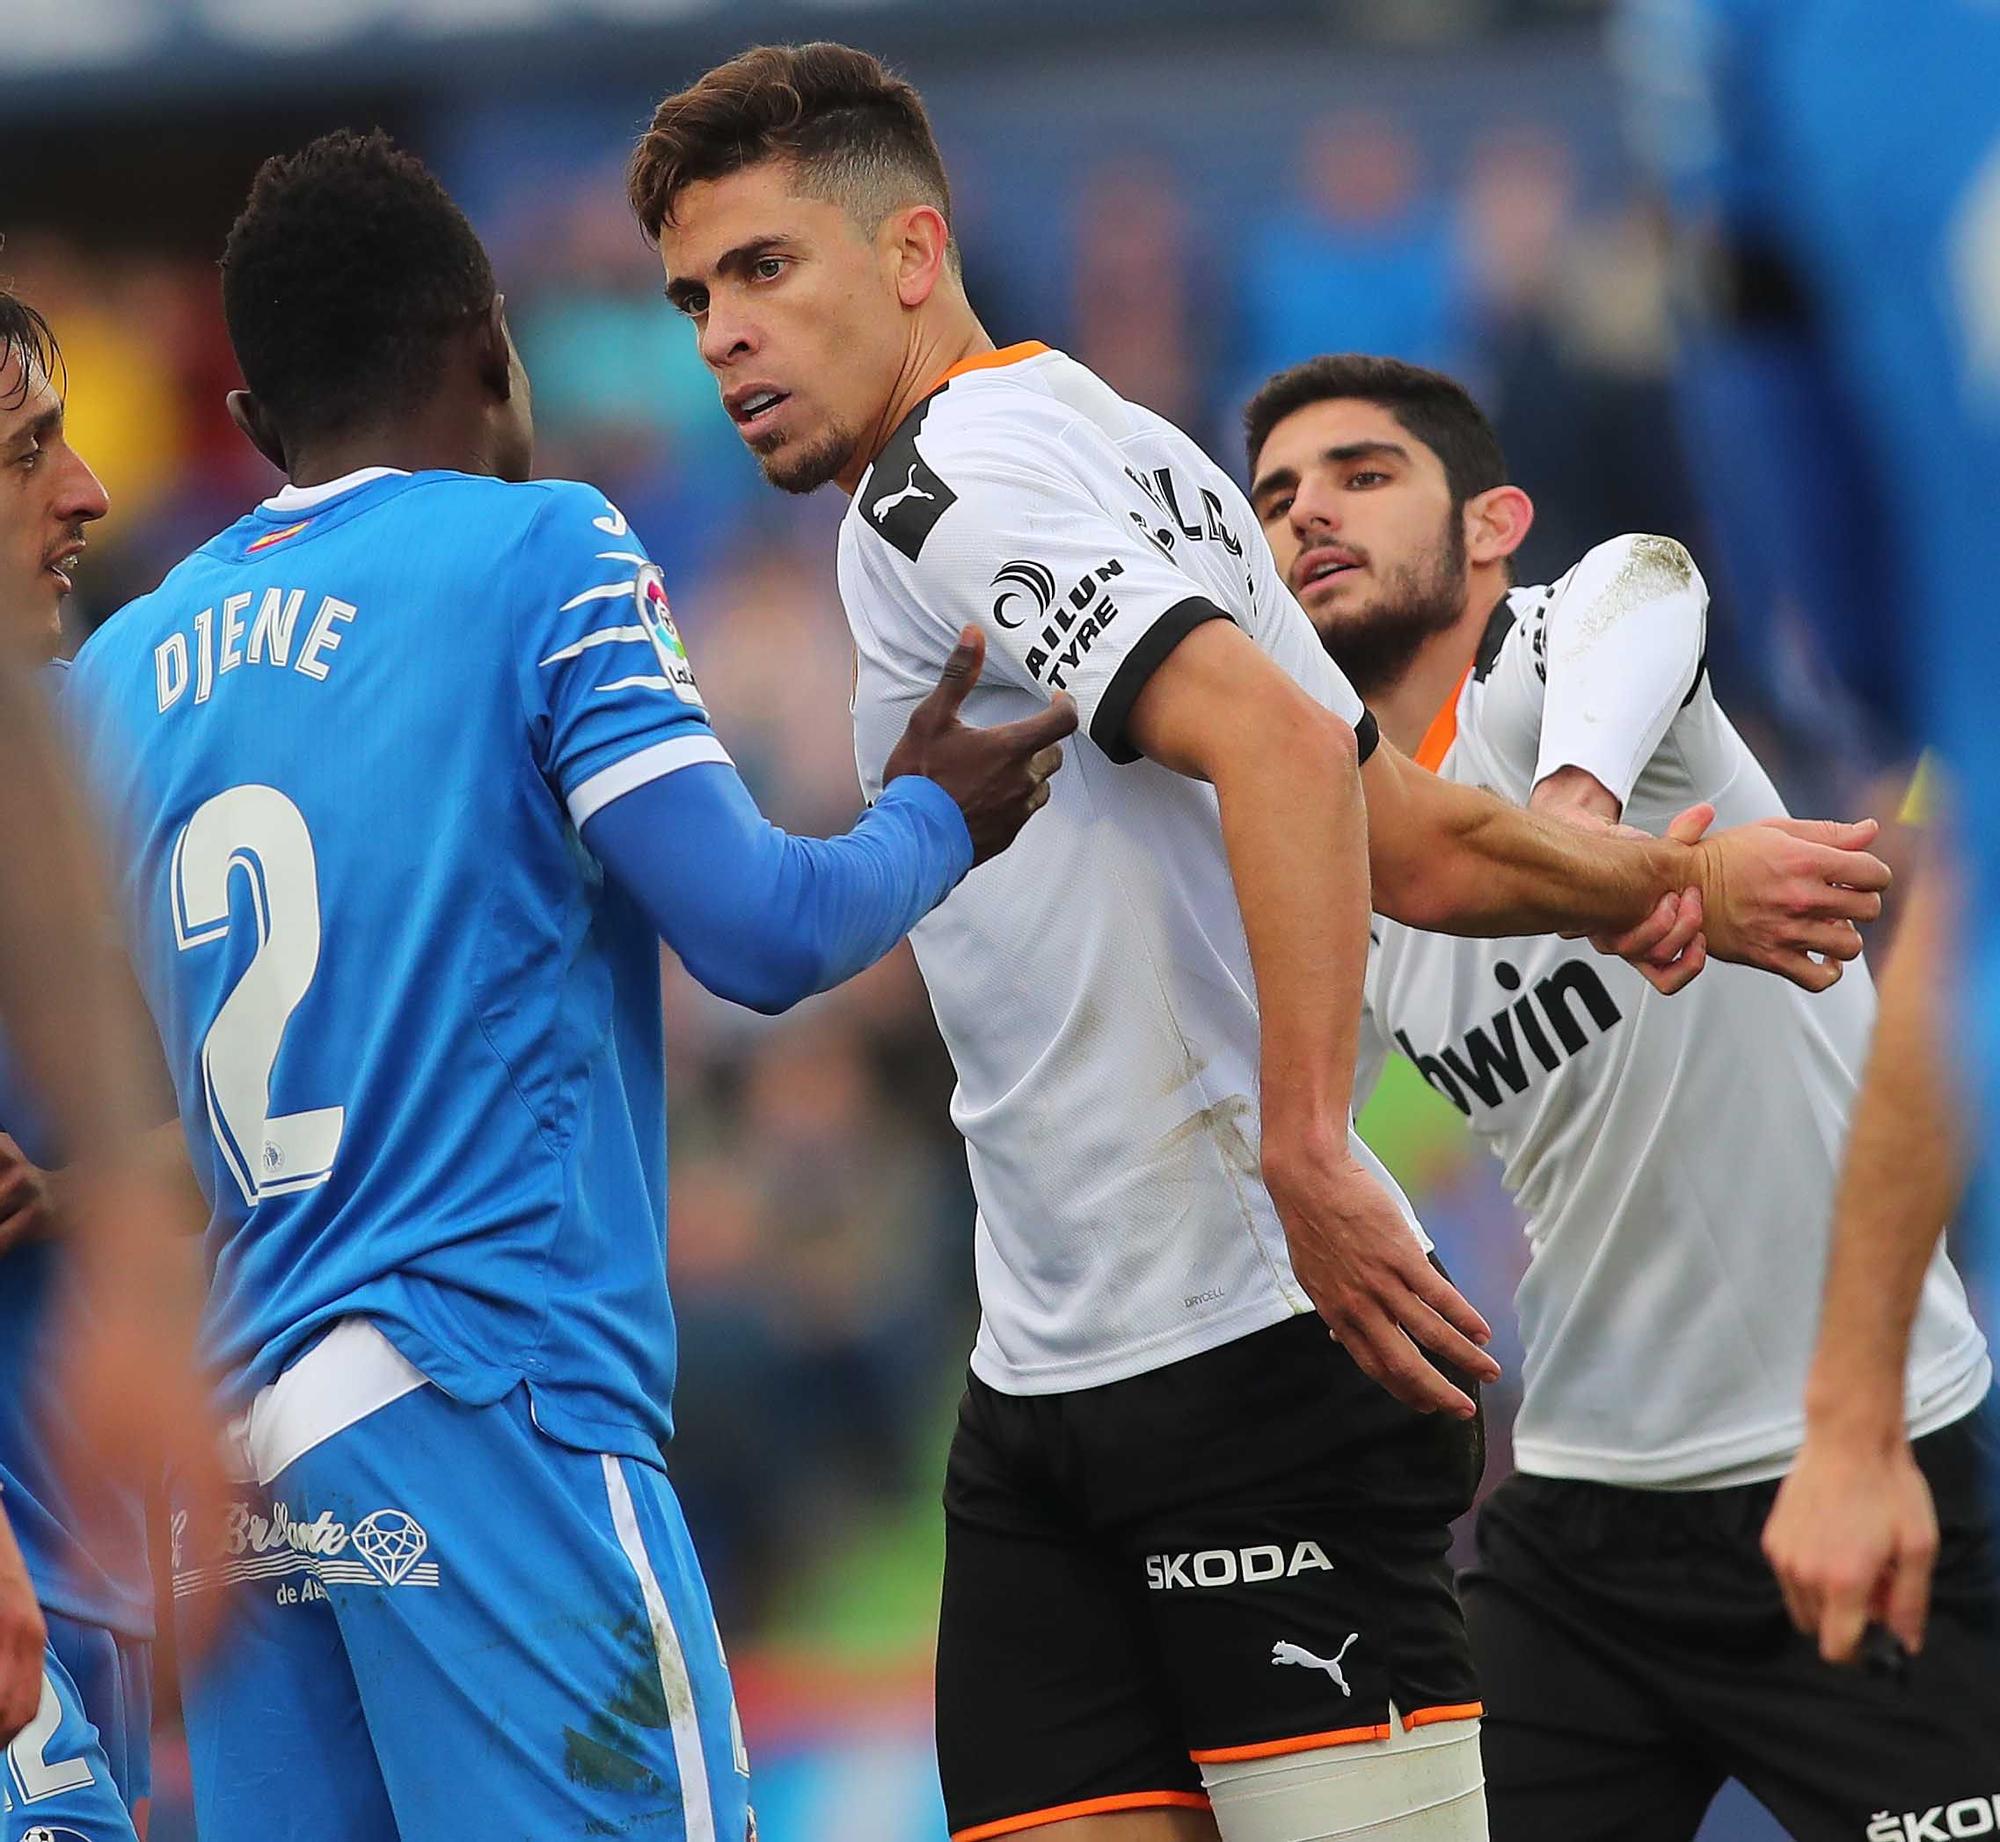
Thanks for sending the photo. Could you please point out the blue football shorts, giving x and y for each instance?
(445, 1624)
(83, 1765)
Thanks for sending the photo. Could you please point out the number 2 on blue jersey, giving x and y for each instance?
(257, 830)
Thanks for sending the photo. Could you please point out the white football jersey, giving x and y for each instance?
(1092, 983)
(1674, 1158)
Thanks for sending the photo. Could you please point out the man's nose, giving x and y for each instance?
(725, 337)
(82, 498)
(1315, 511)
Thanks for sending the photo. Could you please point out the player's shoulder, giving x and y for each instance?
(1636, 567)
(1015, 425)
(550, 510)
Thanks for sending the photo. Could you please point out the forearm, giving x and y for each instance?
(1903, 1176)
(764, 918)
(1296, 832)
(68, 1002)
(1458, 860)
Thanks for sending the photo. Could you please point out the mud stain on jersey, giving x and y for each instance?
(1654, 568)
(1223, 1123)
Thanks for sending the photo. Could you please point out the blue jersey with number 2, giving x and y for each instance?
(416, 1034)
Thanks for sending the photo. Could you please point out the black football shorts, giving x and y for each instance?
(1237, 1555)
(1634, 1653)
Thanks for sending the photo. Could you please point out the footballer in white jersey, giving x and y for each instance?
(1674, 1160)
(1195, 1577)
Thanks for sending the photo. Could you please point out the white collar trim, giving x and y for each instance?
(301, 498)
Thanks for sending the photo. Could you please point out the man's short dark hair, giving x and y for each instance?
(856, 133)
(342, 279)
(25, 338)
(1436, 409)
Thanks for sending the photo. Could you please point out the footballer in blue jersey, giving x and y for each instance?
(81, 1763)
(411, 776)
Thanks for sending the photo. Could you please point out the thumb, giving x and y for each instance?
(960, 674)
(1688, 826)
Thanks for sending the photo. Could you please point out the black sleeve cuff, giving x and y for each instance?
(1367, 733)
(1114, 708)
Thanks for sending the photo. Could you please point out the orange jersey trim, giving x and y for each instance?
(1459, 1710)
(992, 361)
(1091, 1806)
(1443, 731)
(277, 537)
(1304, 1742)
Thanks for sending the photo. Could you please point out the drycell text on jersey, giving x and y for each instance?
(265, 627)
(1493, 1066)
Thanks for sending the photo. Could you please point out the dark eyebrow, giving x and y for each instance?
(1362, 450)
(735, 261)
(40, 428)
(1346, 451)
(1278, 476)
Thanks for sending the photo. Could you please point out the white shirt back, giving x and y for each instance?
(1092, 983)
(1674, 1158)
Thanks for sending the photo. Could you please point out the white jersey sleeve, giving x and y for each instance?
(1033, 527)
(1624, 643)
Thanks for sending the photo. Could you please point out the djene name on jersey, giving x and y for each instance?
(1493, 1063)
(263, 638)
(1226, 1566)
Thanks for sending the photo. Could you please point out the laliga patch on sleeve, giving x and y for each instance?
(649, 597)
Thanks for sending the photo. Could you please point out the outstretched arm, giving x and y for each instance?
(1460, 861)
(1853, 1534)
(765, 918)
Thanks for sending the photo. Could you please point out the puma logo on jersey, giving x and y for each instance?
(1166, 1573)
(1282, 1652)
(1494, 1064)
(888, 503)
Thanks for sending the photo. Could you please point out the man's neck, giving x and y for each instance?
(414, 449)
(1409, 706)
(946, 335)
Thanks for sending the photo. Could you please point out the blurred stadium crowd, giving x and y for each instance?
(1464, 206)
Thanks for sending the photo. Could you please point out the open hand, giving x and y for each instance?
(1784, 895)
(998, 776)
(1365, 1271)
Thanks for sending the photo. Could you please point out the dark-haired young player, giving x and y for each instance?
(415, 777)
(1193, 1553)
(96, 1386)
(1675, 1160)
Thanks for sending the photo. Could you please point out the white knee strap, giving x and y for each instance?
(1421, 1785)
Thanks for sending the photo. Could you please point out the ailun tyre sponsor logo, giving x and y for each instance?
(1026, 590)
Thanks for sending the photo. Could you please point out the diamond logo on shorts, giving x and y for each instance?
(1282, 1652)
(392, 1542)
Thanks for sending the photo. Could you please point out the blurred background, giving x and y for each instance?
(1185, 196)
